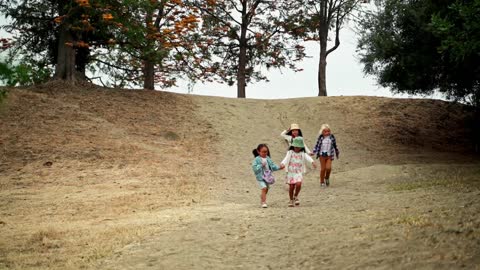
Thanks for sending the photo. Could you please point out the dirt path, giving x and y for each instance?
(415, 213)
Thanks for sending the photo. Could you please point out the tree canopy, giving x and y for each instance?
(419, 47)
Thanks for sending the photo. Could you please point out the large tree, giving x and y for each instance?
(130, 42)
(318, 19)
(245, 35)
(156, 43)
(57, 33)
(419, 47)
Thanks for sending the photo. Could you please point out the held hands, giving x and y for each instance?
(282, 166)
(314, 165)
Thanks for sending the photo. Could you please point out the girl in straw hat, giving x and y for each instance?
(294, 163)
(293, 132)
(325, 149)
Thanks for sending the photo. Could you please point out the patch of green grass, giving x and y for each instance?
(413, 221)
(454, 177)
(405, 186)
(170, 135)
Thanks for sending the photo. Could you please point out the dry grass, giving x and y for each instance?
(85, 171)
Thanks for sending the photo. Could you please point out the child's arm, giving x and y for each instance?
(337, 152)
(286, 159)
(284, 135)
(274, 166)
(309, 159)
(316, 149)
(257, 166)
(307, 150)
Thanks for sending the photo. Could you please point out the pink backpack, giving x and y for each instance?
(268, 177)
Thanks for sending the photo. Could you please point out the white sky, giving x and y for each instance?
(344, 76)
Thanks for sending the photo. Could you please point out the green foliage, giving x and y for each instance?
(22, 74)
(247, 36)
(162, 33)
(109, 37)
(419, 47)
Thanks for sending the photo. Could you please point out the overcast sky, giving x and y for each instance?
(344, 76)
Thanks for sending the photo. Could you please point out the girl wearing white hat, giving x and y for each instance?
(293, 132)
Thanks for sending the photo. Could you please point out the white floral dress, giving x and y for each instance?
(295, 168)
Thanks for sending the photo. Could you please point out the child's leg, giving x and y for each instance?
(322, 169)
(290, 191)
(263, 196)
(328, 167)
(298, 187)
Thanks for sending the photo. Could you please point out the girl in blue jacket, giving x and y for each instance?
(260, 163)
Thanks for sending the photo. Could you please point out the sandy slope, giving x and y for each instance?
(146, 180)
(365, 220)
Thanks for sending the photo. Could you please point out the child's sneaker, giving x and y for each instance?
(327, 182)
(297, 201)
(264, 205)
(322, 185)
(290, 203)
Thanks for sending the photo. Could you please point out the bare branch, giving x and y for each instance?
(337, 35)
(115, 66)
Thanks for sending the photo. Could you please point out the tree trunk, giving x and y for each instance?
(242, 58)
(322, 68)
(149, 74)
(241, 78)
(476, 129)
(65, 66)
(148, 64)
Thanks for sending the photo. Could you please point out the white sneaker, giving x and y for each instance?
(264, 205)
(323, 185)
(291, 203)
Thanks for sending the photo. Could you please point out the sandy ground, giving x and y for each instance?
(387, 207)
(146, 180)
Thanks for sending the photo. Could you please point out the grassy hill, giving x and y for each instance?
(92, 177)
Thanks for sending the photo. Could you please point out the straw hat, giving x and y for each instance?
(293, 127)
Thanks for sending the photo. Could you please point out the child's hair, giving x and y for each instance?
(260, 146)
(299, 133)
(291, 148)
(324, 126)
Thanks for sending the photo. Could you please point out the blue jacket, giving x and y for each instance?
(258, 168)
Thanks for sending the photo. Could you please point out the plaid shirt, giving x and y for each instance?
(333, 149)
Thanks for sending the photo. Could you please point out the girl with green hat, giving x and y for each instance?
(294, 163)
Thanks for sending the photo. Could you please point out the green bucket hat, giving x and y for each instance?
(298, 142)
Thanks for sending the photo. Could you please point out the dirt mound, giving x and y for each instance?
(85, 171)
(75, 157)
